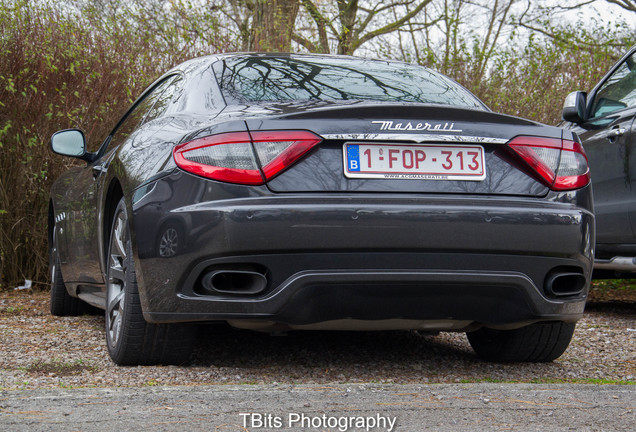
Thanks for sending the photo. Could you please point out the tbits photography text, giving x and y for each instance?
(297, 421)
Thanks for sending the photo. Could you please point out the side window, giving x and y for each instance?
(138, 113)
(164, 98)
(618, 92)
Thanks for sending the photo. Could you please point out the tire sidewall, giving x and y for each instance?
(54, 263)
(61, 302)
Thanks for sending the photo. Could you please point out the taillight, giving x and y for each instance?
(561, 164)
(244, 158)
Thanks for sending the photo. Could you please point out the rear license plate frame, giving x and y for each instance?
(371, 160)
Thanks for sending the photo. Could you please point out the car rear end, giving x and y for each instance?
(376, 215)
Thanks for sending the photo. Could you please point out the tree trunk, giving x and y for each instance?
(348, 10)
(272, 25)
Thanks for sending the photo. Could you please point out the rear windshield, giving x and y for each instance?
(268, 79)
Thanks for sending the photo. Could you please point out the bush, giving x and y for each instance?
(56, 72)
(530, 77)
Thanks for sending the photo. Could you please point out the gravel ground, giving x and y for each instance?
(38, 350)
(482, 407)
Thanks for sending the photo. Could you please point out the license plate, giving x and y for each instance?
(416, 162)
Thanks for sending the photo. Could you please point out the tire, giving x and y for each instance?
(130, 339)
(62, 303)
(540, 342)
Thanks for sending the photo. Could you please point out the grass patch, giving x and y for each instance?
(613, 290)
(12, 309)
(59, 368)
(599, 381)
(614, 284)
(550, 381)
(487, 380)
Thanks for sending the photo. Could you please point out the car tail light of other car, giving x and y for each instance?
(251, 158)
(560, 164)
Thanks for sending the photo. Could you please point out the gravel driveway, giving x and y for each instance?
(38, 350)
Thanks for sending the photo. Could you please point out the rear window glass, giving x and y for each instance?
(269, 79)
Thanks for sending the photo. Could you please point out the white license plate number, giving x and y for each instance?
(414, 162)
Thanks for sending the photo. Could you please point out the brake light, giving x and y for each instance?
(242, 157)
(560, 164)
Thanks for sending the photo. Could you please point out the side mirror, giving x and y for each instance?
(574, 107)
(69, 142)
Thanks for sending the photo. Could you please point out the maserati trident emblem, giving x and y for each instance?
(389, 125)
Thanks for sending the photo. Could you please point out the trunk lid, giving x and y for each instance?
(410, 126)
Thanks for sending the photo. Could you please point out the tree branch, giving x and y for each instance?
(389, 27)
(629, 5)
(304, 42)
(321, 23)
(373, 12)
(560, 39)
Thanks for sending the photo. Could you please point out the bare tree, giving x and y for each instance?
(544, 21)
(351, 23)
(458, 37)
(499, 14)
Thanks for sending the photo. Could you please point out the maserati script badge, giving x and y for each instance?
(438, 127)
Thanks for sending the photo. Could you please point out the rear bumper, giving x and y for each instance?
(381, 286)
(327, 258)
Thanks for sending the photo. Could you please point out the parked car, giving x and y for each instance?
(605, 121)
(292, 192)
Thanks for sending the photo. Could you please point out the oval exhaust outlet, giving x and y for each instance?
(565, 284)
(234, 282)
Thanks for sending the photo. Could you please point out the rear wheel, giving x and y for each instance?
(540, 342)
(62, 303)
(130, 339)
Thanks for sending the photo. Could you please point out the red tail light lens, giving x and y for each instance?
(277, 150)
(244, 158)
(227, 157)
(560, 164)
(574, 171)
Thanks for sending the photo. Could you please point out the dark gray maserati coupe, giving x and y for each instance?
(290, 192)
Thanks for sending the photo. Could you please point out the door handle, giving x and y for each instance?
(615, 133)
